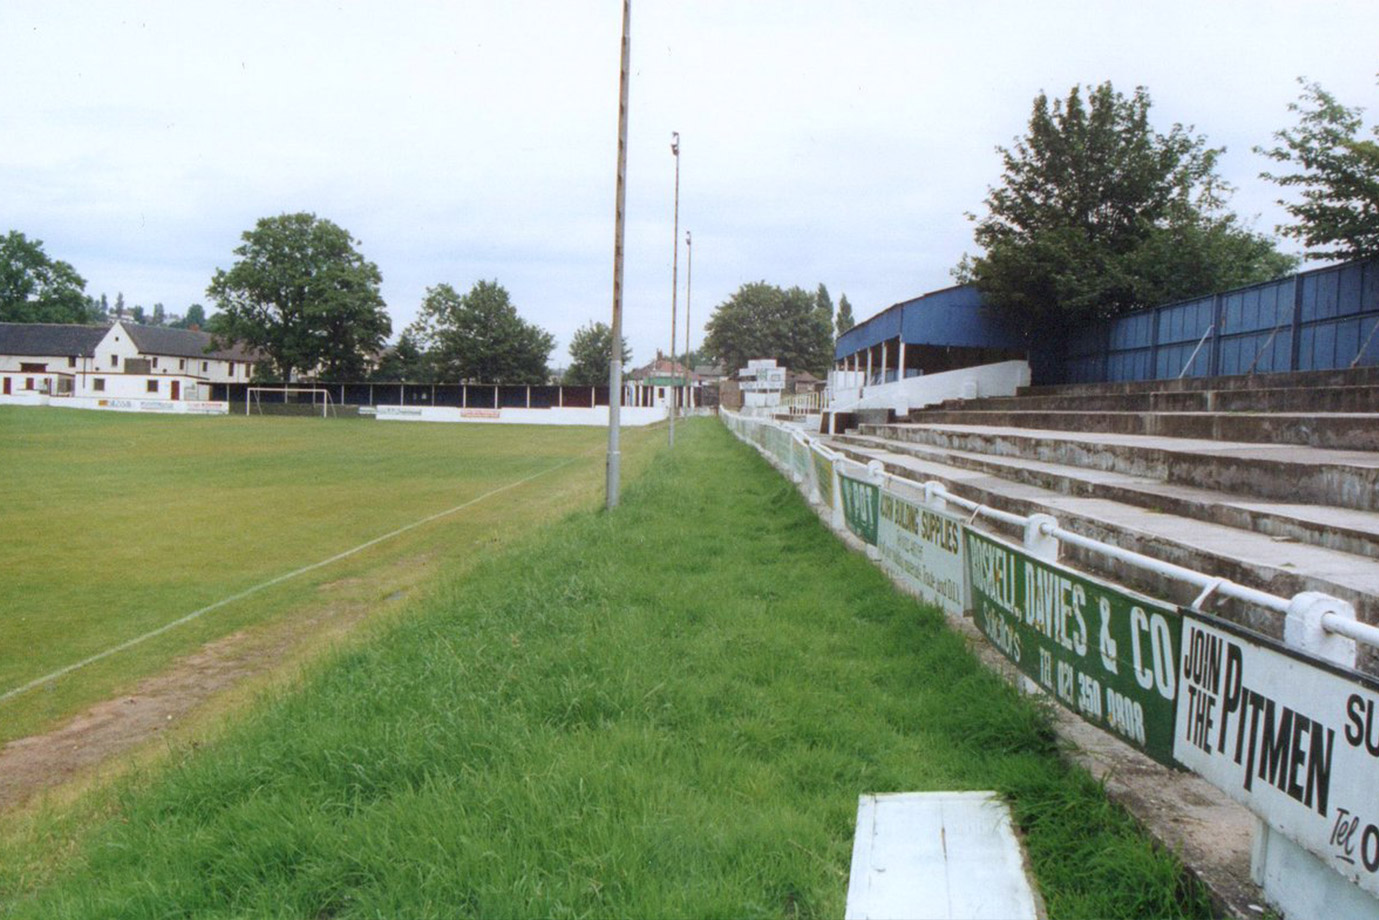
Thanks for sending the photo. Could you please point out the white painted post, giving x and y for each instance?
(933, 499)
(815, 496)
(876, 472)
(1039, 540)
(1293, 879)
(1303, 628)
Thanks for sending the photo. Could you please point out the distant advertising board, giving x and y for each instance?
(1293, 739)
(778, 443)
(799, 459)
(924, 549)
(861, 506)
(403, 412)
(1107, 655)
(481, 413)
(204, 407)
(823, 477)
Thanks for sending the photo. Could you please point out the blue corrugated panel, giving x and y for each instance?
(955, 316)
(878, 329)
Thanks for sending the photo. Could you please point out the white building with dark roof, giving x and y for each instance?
(123, 360)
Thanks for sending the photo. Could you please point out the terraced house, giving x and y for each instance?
(124, 360)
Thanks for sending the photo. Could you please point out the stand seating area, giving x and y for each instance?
(1271, 481)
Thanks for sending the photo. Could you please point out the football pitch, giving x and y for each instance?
(127, 541)
(668, 711)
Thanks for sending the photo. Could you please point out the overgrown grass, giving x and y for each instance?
(665, 711)
(114, 524)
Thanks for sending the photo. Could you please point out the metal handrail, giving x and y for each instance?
(1210, 584)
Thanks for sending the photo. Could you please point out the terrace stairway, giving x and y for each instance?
(1271, 481)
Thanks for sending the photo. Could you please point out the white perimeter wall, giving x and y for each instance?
(632, 416)
(119, 404)
(1000, 379)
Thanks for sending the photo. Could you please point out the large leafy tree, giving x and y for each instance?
(479, 337)
(1099, 214)
(590, 351)
(302, 294)
(1336, 171)
(763, 321)
(37, 289)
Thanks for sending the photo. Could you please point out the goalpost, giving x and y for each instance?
(320, 396)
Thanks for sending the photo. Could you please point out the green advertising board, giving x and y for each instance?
(1106, 654)
(861, 506)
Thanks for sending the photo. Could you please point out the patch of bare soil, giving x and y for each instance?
(99, 738)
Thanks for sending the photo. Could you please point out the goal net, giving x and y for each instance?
(316, 397)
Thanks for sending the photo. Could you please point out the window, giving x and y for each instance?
(232, 366)
(155, 359)
(181, 364)
(29, 367)
(71, 360)
(153, 386)
(98, 384)
(204, 366)
(29, 381)
(114, 361)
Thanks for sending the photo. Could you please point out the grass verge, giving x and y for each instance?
(669, 710)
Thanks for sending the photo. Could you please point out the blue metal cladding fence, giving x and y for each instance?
(1319, 320)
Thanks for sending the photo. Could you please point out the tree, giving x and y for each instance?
(1337, 172)
(590, 351)
(824, 304)
(844, 320)
(37, 289)
(301, 293)
(1099, 214)
(194, 319)
(763, 321)
(479, 337)
(404, 362)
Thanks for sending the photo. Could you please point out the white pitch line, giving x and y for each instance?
(130, 643)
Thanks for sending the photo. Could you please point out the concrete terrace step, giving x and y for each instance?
(1278, 472)
(1341, 529)
(1279, 399)
(1245, 557)
(1345, 431)
(1358, 376)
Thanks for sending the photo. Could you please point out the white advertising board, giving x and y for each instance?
(1294, 739)
(923, 548)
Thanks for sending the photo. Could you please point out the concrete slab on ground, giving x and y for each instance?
(939, 855)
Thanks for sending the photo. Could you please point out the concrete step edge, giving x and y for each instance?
(1357, 533)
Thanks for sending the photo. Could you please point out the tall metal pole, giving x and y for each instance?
(689, 288)
(615, 352)
(674, 278)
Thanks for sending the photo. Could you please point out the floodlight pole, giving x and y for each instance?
(689, 288)
(674, 277)
(615, 351)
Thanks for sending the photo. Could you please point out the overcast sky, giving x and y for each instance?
(834, 141)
